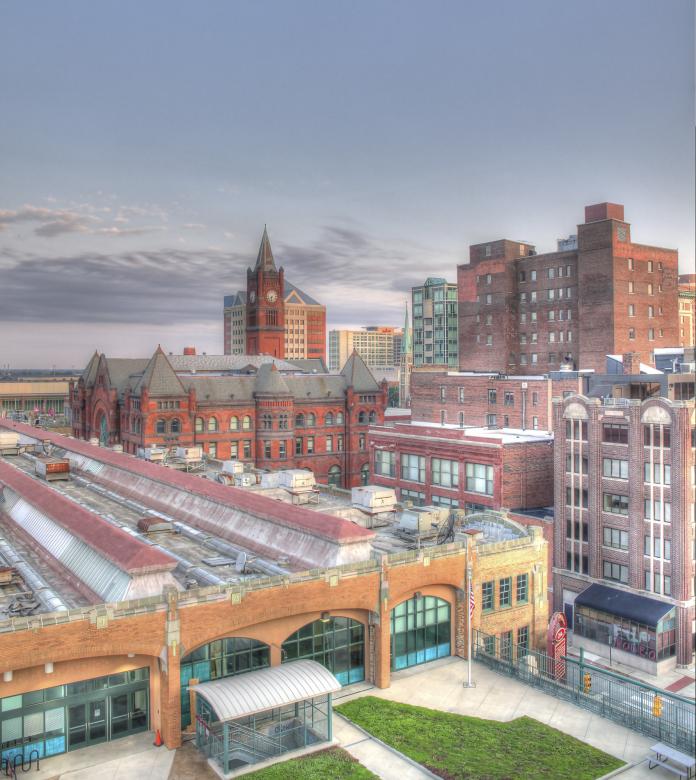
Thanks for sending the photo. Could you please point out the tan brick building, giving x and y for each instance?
(522, 311)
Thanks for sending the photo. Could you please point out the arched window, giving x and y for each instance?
(176, 425)
(362, 418)
(339, 418)
(160, 426)
(221, 658)
(283, 422)
(212, 424)
(246, 423)
(365, 474)
(311, 420)
(234, 423)
(335, 476)
(420, 631)
(199, 425)
(373, 417)
(329, 419)
(337, 643)
(299, 421)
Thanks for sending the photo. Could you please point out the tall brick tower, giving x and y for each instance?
(265, 310)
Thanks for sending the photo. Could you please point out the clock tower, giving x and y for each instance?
(265, 305)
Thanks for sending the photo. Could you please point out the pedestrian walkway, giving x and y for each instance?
(373, 754)
(133, 756)
(438, 685)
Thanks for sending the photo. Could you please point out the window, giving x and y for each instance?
(651, 334)
(212, 424)
(282, 450)
(160, 426)
(461, 395)
(489, 340)
(199, 425)
(176, 425)
(412, 467)
(488, 299)
(362, 418)
(578, 531)
(479, 478)
(631, 310)
(651, 312)
(329, 443)
(283, 422)
(650, 289)
(339, 418)
(212, 449)
(492, 420)
(533, 276)
(550, 273)
(329, 419)
(574, 463)
(509, 399)
(615, 468)
(492, 396)
(522, 640)
(310, 445)
(266, 421)
(616, 504)
(535, 398)
(574, 497)
(267, 450)
(487, 596)
(489, 278)
(298, 445)
(535, 423)
(657, 435)
(522, 590)
(657, 515)
(339, 443)
(657, 547)
(311, 420)
(505, 592)
(385, 463)
(615, 571)
(234, 423)
(445, 473)
(615, 433)
(443, 393)
(631, 287)
(234, 449)
(247, 449)
(576, 430)
(533, 296)
(661, 474)
(523, 276)
(632, 334)
(550, 294)
(246, 423)
(631, 266)
(534, 357)
(416, 497)
(615, 537)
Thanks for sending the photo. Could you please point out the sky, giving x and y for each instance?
(143, 146)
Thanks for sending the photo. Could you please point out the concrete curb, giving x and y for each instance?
(391, 749)
(621, 770)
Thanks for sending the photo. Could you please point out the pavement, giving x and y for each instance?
(438, 685)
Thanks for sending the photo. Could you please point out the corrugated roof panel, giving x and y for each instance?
(266, 689)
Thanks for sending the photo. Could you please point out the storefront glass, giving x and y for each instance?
(420, 631)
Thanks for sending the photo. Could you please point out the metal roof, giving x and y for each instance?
(624, 604)
(266, 689)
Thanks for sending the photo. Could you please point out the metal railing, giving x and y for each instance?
(652, 711)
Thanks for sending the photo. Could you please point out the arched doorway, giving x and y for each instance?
(335, 476)
(103, 430)
(420, 631)
(338, 643)
(221, 658)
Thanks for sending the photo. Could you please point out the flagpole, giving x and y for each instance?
(470, 598)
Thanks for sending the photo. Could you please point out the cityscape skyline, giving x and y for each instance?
(135, 190)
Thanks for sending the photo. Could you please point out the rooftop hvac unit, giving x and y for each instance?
(154, 454)
(94, 441)
(373, 498)
(117, 447)
(296, 479)
(233, 467)
(422, 520)
(189, 454)
(244, 480)
(52, 469)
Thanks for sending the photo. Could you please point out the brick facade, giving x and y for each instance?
(580, 466)
(521, 311)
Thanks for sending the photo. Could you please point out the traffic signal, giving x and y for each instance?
(657, 706)
(587, 682)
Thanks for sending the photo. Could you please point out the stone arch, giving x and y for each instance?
(656, 414)
(575, 410)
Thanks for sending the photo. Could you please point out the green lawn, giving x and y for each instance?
(459, 747)
(331, 764)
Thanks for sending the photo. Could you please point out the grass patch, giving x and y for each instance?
(459, 747)
(331, 764)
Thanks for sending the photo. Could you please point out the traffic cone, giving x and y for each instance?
(158, 739)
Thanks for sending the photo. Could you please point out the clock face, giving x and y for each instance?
(252, 296)
(271, 296)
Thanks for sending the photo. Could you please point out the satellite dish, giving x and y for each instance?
(240, 563)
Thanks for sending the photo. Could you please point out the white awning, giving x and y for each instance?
(252, 692)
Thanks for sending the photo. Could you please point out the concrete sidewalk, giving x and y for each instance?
(438, 685)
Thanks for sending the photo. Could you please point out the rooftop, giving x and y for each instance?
(468, 432)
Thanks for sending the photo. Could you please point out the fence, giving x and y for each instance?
(651, 711)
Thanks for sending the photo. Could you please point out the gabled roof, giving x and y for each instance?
(238, 299)
(159, 377)
(90, 372)
(310, 365)
(270, 381)
(265, 259)
(357, 374)
(293, 294)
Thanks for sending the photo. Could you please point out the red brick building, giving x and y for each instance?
(257, 409)
(521, 311)
(471, 468)
(489, 399)
(624, 526)
(687, 310)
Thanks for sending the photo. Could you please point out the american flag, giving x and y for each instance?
(472, 600)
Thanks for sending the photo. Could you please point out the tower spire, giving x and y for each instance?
(265, 259)
(406, 340)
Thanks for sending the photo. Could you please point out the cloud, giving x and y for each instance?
(53, 222)
(360, 278)
(134, 231)
(194, 226)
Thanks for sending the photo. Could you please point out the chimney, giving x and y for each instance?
(600, 211)
(631, 363)
(189, 350)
